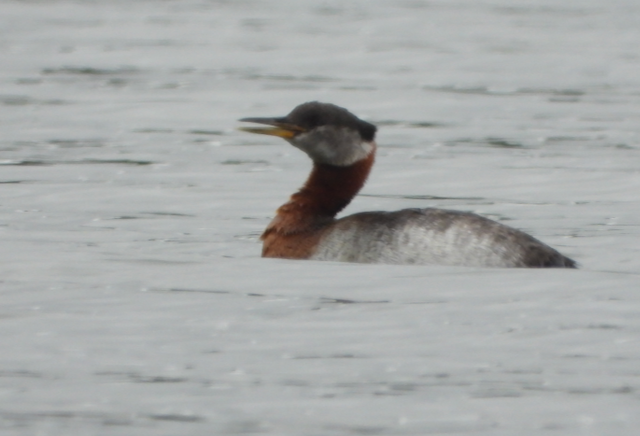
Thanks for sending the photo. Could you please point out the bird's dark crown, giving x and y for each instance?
(315, 114)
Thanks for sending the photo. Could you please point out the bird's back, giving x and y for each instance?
(433, 236)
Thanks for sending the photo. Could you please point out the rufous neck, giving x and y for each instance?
(327, 191)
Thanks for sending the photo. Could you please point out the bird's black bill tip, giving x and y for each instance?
(258, 120)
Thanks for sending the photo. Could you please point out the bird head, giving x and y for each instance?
(329, 134)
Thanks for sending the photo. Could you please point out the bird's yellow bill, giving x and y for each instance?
(273, 131)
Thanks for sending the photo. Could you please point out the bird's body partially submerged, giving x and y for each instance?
(342, 148)
(433, 236)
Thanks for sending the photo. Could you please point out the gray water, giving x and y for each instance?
(134, 300)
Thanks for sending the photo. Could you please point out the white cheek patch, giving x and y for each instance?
(355, 152)
(367, 147)
(326, 151)
(334, 146)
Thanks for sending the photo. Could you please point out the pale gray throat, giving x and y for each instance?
(339, 146)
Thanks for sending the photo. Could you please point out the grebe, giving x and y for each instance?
(342, 149)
